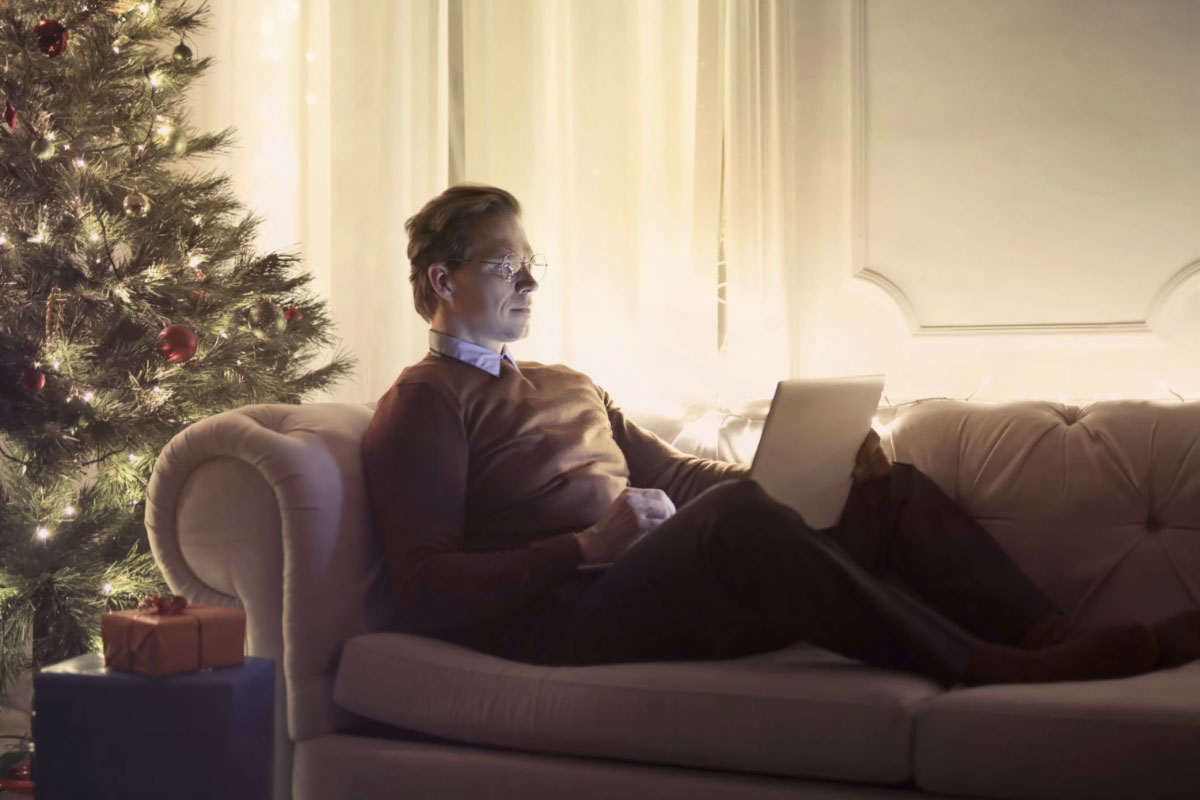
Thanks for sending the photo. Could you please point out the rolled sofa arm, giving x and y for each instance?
(263, 507)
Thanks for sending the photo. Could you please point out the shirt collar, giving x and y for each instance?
(470, 353)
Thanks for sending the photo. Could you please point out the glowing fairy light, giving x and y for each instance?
(43, 533)
(69, 511)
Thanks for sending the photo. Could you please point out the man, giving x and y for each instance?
(494, 485)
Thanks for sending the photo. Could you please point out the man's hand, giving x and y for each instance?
(631, 516)
(871, 463)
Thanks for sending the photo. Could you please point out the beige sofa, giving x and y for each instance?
(264, 508)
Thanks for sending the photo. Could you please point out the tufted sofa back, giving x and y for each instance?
(1099, 504)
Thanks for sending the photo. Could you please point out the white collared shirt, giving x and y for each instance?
(469, 353)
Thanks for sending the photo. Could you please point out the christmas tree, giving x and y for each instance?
(132, 302)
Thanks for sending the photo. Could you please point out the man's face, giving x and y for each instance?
(484, 308)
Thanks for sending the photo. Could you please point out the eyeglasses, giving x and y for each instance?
(508, 267)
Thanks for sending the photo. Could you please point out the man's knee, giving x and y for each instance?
(736, 493)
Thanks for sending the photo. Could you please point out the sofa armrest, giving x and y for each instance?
(263, 507)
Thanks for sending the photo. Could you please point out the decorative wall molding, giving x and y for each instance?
(1165, 301)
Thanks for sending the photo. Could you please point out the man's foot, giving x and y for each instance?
(1114, 652)
(1178, 639)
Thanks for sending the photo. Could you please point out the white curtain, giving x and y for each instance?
(632, 131)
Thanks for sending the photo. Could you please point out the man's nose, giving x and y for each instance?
(525, 281)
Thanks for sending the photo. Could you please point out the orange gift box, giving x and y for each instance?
(157, 644)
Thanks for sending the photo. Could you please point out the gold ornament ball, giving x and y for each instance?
(177, 141)
(137, 205)
(182, 52)
(42, 148)
(266, 320)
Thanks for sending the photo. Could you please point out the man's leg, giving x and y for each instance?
(735, 573)
(906, 530)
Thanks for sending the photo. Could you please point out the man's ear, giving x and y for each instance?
(441, 281)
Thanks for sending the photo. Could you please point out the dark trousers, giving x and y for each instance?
(904, 581)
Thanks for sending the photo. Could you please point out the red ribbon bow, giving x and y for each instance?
(157, 604)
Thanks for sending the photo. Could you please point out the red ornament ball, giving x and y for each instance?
(292, 314)
(33, 380)
(197, 295)
(10, 115)
(51, 36)
(177, 343)
(21, 772)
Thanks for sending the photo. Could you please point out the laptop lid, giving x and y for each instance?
(813, 431)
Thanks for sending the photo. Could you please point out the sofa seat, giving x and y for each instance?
(800, 712)
(1136, 737)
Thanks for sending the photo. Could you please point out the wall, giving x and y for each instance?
(1020, 199)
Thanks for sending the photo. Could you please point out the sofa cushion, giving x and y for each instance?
(1136, 737)
(800, 711)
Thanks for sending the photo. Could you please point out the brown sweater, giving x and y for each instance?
(476, 483)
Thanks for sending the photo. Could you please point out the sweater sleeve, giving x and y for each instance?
(654, 464)
(415, 456)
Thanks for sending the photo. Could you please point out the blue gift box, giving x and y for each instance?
(102, 733)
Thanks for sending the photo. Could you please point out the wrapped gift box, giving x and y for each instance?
(156, 644)
(102, 733)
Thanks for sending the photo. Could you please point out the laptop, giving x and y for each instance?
(811, 436)
(806, 453)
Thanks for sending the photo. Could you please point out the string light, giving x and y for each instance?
(95, 237)
(56, 365)
(132, 458)
(43, 533)
(80, 163)
(3, 238)
(108, 588)
(88, 396)
(69, 511)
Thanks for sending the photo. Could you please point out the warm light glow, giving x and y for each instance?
(196, 219)
(80, 163)
(195, 261)
(3, 238)
(158, 390)
(43, 534)
(108, 588)
(144, 8)
(88, 396)
(69, 510)
(132, 458)
(95, 237)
